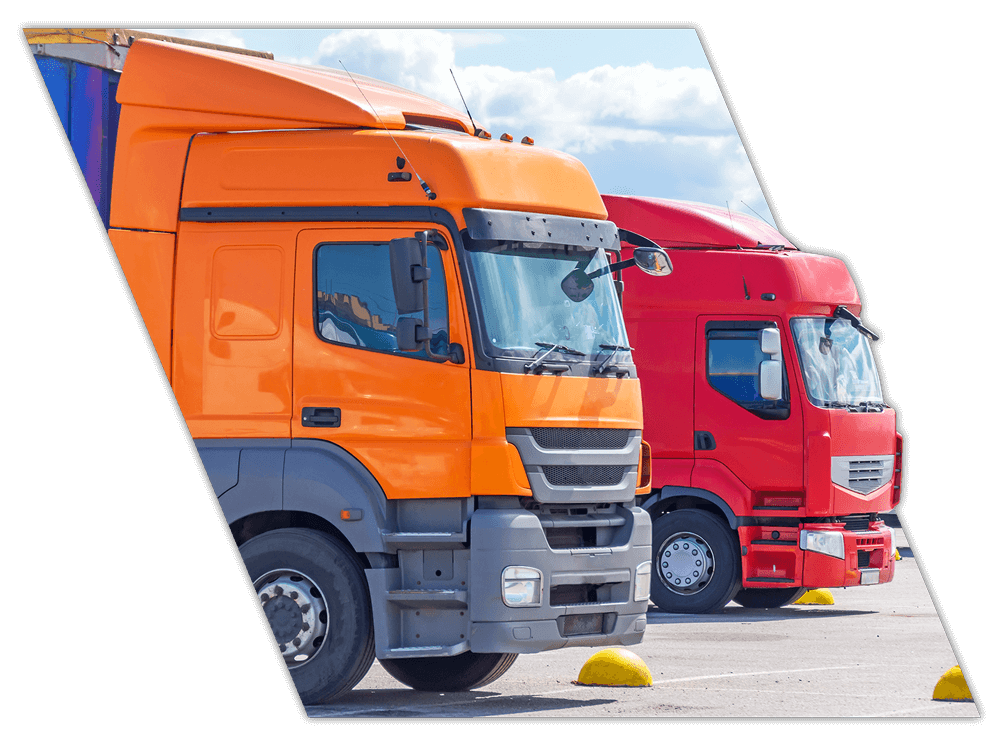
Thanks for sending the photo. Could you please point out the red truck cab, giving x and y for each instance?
(774, 451)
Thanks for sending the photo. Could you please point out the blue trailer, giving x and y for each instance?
(82, 80)
(81, 69)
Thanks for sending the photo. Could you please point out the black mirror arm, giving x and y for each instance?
(611, 268)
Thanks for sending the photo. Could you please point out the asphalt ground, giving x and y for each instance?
(876, 653)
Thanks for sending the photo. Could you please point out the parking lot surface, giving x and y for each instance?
(876, 653)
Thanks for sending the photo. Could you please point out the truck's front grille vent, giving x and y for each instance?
(579, 438)
(584, 476)
(862, 474)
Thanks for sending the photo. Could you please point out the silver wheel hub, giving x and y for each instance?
(297, 612)
(685, 563)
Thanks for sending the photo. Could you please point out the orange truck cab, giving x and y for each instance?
(388, 334)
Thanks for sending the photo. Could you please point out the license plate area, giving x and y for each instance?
(869, 577)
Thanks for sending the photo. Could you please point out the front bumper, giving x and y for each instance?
(774, 557)
(587, 596)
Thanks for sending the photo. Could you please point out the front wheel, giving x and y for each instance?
(458, 673)
(697, 562)
(768, 598)
(316, 600)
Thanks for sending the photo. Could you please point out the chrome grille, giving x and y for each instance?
(862, 474)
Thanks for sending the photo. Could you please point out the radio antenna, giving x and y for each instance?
(475, 129)
(423, 184)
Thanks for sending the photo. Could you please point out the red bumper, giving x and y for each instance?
(774, 558)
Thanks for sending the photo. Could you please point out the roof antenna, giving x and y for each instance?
(423, 184)
(732, 227)
(475, 129)
(754, 212)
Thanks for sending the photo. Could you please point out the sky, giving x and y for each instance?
(640, 107)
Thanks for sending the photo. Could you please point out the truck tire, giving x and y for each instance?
(459, 673)
(316, 600)
(697, 563)
(767, 598)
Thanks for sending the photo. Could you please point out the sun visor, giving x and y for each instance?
(507, 225)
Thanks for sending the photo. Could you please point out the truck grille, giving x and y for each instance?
(580, 438)
(582, 465)
(862, 474)
(584, 476)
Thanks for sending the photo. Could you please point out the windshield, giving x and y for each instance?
(524, 309)
(837, 362)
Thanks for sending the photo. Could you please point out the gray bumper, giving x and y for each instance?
(501, 538)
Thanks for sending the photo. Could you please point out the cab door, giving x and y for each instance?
(405, 416)
(759, 441)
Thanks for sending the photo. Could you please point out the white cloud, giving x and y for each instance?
(671, 126)
(417, 59)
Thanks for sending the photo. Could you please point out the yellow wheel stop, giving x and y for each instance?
(614, 667)
(816, 597)
(951, 687)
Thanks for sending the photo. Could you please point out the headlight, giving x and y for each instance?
(522, 586)
(830, 543)
(642, 576)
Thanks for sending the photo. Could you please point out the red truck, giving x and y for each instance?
(774, 452)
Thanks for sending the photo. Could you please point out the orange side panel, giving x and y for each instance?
(147, 259)
(496, 465)
(233, 330)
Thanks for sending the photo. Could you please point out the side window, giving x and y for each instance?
(734, 358)
(355, 304)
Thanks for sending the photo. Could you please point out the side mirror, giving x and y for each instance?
(653, 261)
(770, 380)
(577, 285)
(411, 335)
(408, 264)
(769, 373)
(770, 342)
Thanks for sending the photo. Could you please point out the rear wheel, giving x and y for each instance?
(768, 598)
(455, 674)
(315, 598)
(697, 562)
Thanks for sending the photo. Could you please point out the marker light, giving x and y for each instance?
(522, 586)
(527, 140)
(642, 576)
(830, 543)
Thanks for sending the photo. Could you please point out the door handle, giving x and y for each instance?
(704, 441)
(321, 417)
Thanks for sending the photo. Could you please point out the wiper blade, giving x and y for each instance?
(537, 361)
(834, 404)
(842, 313)
(612, 349)
(866, 406)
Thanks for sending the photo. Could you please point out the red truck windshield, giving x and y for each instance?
(837, 363)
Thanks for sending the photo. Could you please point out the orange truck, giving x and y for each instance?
(390, 336)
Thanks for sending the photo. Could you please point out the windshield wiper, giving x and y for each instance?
(866, 406)
(833, 404)
(537, 361)
(612, 349)
(843, 313)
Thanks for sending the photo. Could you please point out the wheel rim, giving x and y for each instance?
(297, 612)
(685, 563)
